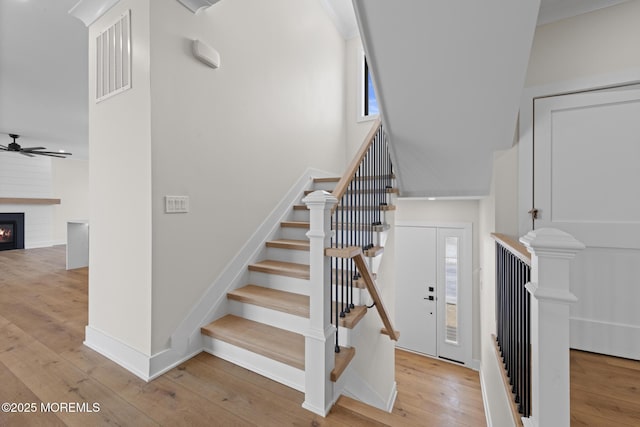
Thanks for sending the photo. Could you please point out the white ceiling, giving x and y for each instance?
(43, 75)
(43, 67)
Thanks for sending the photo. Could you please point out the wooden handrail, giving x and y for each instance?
(375, 295)
(343, 184)
(514, 246)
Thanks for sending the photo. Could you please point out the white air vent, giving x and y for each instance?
(113, 58)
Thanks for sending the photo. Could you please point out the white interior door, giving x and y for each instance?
(587, 183)
(416, 282)
(433, 290)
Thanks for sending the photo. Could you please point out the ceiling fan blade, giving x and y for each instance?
(2, 146)
(46, 153)
(33, 148)
(57, 153)
(26, 154)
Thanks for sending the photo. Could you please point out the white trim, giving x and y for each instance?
(358, 389)
(550, 294)
(124, 355)
(196, 5)
(39, 244)
(485, 399)
(615, 339)
(360, 117)
(277, 371)
(89, 11)
(475, 365)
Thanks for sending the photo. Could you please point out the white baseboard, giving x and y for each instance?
(357, 388)
(475, 364)
(38, 244)
(485, 399)
(124, 355)
(610, 338)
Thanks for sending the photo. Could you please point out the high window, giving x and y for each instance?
(369, 100)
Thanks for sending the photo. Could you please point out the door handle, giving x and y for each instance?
(430, 298)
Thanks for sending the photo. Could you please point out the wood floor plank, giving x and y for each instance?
(54, 380)
(14, 390)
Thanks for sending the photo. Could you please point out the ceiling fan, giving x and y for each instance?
(30, 151)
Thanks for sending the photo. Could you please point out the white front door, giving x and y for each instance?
(587, 183)
(433, 290)
(416, 288)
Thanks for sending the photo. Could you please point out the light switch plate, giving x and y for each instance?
(176, 204)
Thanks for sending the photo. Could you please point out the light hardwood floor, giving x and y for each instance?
(43, 311)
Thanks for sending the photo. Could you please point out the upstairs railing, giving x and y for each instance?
(357, 219)
(513, 321)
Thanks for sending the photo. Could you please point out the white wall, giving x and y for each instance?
(450, 211)
(591, 44)
(120, 194)
(70, 183)
(236, 138)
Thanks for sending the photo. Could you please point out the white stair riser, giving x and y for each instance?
(277, 371)
(361, 236)
(288, 255)
(293, 233)
(326, 186)
(300, 215)
(281, 283)
(275, 318)
(358, 294)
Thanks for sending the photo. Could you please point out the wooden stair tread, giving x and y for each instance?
(369, 412)
(277, 344)
(357, 283)
(351, 319)
(329, 179)
(374, 251)
(361, 227)
(274, 299)
(393, 190)
(342, 361)
(367, 207)
(281, 268)
(298, 245)
(295, 224)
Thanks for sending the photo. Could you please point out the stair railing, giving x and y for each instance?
(343, 227)
(362, 195)
(513, 321)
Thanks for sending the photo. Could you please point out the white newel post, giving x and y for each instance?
(551, 254)
(319, 341)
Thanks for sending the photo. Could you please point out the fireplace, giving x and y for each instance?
(11, 231)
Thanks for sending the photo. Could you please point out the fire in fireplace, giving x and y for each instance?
(6, 232)
(11, 231)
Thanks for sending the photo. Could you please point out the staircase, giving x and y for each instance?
(268, 318)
